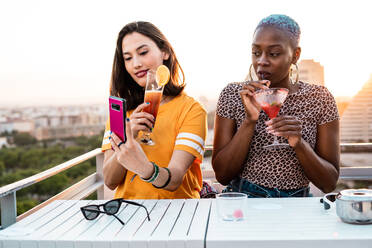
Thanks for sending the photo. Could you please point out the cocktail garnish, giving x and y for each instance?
(162, 75)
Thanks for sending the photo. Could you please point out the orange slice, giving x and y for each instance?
(162, 75)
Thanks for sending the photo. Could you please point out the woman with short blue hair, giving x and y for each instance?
(308, 122)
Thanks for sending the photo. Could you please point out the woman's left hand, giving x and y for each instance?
(130, 154)
(286, 126)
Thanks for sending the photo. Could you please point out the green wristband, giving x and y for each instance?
(168, 180)
(154, 175)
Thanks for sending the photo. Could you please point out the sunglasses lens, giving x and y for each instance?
(112, 207)
(90, 215)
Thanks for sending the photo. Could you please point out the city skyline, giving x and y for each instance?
(356, 121)
(46, 123)
(58, 53)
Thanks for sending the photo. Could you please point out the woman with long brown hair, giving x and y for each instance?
(171, 167)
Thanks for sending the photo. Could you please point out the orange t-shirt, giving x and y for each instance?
(181, 124)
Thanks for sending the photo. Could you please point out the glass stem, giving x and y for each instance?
(146, 135)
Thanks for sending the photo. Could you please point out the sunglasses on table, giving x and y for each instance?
(111, 207)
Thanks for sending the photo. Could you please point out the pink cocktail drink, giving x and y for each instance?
(272, 109)
(271, 100)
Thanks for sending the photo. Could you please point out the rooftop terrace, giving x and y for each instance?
(94, 182)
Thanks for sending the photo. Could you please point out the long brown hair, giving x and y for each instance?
(123, 85)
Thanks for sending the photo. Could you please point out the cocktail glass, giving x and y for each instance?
(231, 206)
(271, 100)
(153, 95)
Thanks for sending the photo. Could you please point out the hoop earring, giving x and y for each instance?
(252, 76)
(294, 74)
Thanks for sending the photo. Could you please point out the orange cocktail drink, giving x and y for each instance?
(153, 97)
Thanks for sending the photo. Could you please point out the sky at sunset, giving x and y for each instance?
(61, 52)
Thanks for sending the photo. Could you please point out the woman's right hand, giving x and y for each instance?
(252, 108)
(141, 121)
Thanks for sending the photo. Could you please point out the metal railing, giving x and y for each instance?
(79, 190)
(94, 182)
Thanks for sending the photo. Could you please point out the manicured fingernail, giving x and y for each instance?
(268, 122)
(147, 103)
(128, 119)
(109, 137)
(110, 132)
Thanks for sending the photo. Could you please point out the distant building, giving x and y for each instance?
(23, 126)
(41, 121)
(356, 121)
(3, 142)
(55, 122)
(60, 132)
(18, 125)
(342, 103)
(6, 126)
(311, 72)
(69, 125)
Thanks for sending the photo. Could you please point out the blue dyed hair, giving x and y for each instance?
(285, 23)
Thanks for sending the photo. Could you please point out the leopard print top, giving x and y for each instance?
(312, 104)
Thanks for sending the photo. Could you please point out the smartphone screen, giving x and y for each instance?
(118, 115)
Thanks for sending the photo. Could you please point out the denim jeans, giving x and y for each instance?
(256, 191)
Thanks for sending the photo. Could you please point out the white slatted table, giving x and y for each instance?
(295, 222)
(174, 223)
(290, 222)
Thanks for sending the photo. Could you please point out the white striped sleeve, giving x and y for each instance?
(191, 143)
(191, 136)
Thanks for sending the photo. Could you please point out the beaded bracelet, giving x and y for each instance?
(154, 175)
(168, 180)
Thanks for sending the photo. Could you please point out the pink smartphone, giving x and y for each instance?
(118, 115)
